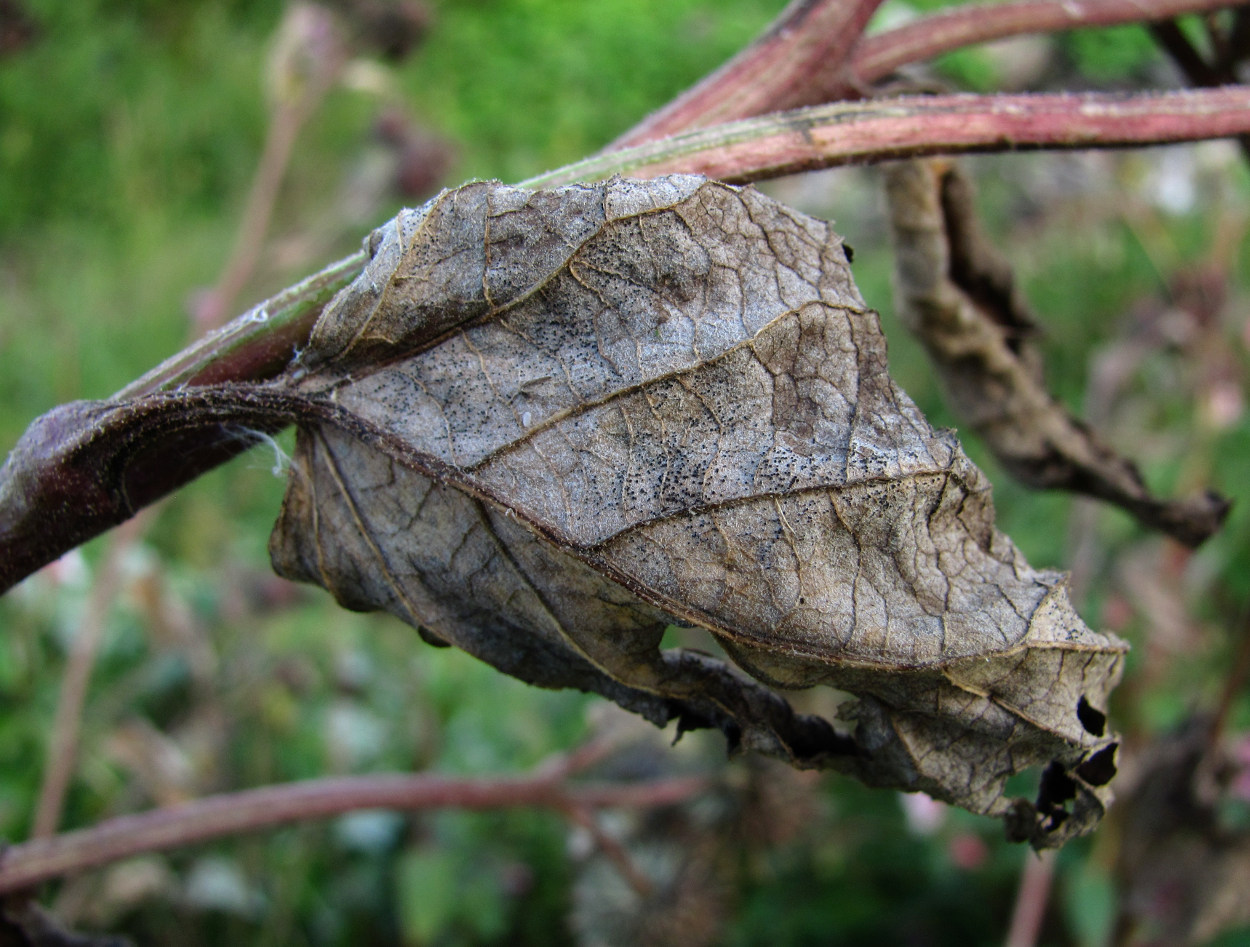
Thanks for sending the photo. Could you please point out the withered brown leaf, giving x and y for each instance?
(541, 426)
(956, 294)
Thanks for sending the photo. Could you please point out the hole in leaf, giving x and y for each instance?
(1056, 789)
(689, 720)
(819, 736)
(693, 638)
(1092, 719)
(1099, 769)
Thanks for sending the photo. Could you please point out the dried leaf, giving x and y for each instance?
(956, 294)
(543, 425)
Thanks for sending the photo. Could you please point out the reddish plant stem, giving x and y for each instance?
(809, 39)
(30, 863)
(858, 132)
(1031, 899)
(763, 147)
(261, 199)
(564, 765)
(813, 52)
(256, 345)
(289, 115)
(878, 56)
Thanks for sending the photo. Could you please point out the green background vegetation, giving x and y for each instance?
(129, 133)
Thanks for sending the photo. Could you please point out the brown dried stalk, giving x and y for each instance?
(307, 61)
(956, 295)
(1031, 899)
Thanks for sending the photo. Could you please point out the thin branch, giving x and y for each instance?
(877, 57)
(63, 742)
(30, 863)
(1031, 899)
(802, 58)
(591, 753)
(262, 198)
(1187, 58)
(256, 345)
(957, 295)
(311, 38)
(615, 851)
(259, 343)
(810, 38)
(860, 132)
(307, 63)
(1195, 67)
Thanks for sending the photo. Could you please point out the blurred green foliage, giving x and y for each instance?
(128, 136)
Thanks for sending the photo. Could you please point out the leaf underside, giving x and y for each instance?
(544, 425)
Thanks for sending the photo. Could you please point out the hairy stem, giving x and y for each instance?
(259, 343)
(256, 345)
(861, 132)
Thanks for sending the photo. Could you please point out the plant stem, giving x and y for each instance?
(308, 61)
(878, 56)
(810, 38)
(30, 863)
(256, 345)
(860, 132)
(814, 52)
(613, 849)
(1031, 899)
(1196, 69)
(66, 726)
